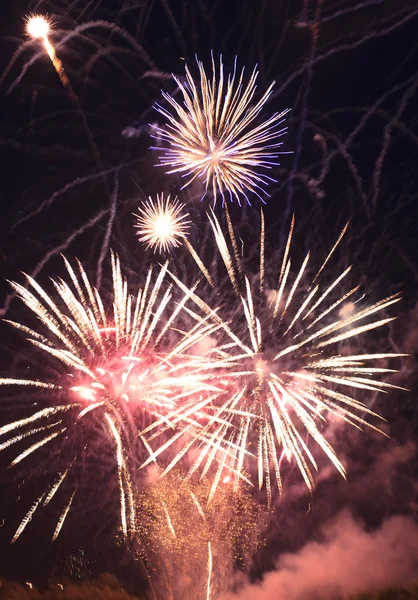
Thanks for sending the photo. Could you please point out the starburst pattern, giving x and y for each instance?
(119, 371)
(289, 369)
(37, 26)
(215, 136)
(162, 224)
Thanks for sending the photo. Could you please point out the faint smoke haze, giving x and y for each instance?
(345, 560)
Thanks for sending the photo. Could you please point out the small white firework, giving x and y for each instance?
(213, 134)
(162, 224)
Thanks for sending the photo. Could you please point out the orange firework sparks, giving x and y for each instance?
(38, 27)
(190, 545)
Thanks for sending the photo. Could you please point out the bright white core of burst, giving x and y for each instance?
(164, 227)
(162, 223)
(37, 27)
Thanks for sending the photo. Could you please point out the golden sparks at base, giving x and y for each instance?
(190, 545)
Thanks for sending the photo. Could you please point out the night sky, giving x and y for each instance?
(347, 69)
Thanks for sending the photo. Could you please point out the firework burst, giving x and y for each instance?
(162, 224)
(215, 136)
(120, 371)
(290, 367)
(38, 27)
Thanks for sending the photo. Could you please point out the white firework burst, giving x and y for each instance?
(287, 371)
(214, 134)
(162, 224)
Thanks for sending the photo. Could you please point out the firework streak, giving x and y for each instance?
(38, 27)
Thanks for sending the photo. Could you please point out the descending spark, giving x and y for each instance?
(38, 27)
(124, 483)
(63, 517)
(36, 446)
(169, 521)
(210, 564)
(286, 370)
(127, 368)
(22, 436)
(46, 412)
(56, 486)
(214, 135)
(162, 224)
(26, 520)
(198, 505)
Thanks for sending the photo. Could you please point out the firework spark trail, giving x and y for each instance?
(67, 187)
(350, 9)
(199, 262)
(125, 487)
(344, 47)
(343, 146)
(381, 29)
(349, 161)
(210, 565)
(57, 250)
(175, 26)
(304, 112)
(27, 519)
(55, 486)
(215, 138)
(386, 141)
(106, 240)
(284, 369)
(63, 516)
(38, 27)
(109, 368)
(77, 31)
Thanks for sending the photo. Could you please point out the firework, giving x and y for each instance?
(190, 545)
(215, 136)
(38, 27)
(117, 371)
(290, 368)
(162, 224)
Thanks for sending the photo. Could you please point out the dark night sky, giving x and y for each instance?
(61, 158)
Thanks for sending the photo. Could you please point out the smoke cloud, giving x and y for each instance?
(346, 559)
